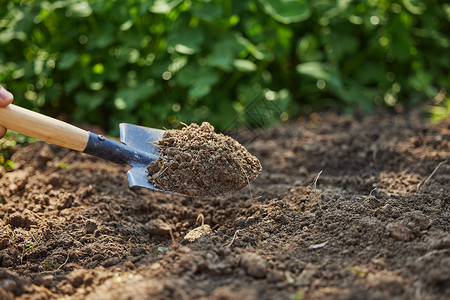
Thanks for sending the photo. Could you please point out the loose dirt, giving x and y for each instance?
(70, 228)
(198, 162)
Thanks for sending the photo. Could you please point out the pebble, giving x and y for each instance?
(198, 232)
(47, 281)
(254, 265)
(275, 276)
(399, 231)
(158, 227)
(418, 219)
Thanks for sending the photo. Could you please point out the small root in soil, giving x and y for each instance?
(317, 197)
(424, 182)
(232, 240)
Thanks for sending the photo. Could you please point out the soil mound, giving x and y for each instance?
(198, 162)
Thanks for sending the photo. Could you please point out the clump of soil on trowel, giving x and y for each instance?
(197, 162)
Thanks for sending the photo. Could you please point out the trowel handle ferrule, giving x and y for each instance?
(43, 128)
(114, 151)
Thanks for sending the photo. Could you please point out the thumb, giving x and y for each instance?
(5, 97)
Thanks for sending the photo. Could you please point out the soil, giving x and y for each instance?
(198, 162)
(345, 208)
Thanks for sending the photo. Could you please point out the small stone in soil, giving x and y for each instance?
(399, 231)
(198, 162)
(158, 227)
(198, 232)
(254, 265)
(47, 280)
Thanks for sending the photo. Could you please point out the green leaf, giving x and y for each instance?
(414, 6)
(164, 6)
(209, 11)
(308, 48)
(319, 71)
(244, 65)
(194, 74)
(199, 79)
(185, 41)
(287, 11)
(225, 51)
(80, 9)
(103, 37)
(89, 101)
(199, 90)
(251, 48)
(128, 98)
(446, 9)
(314, 69)
(67, 60)
(299, 295)
(8, 165)
(126, 25)
(64, 165)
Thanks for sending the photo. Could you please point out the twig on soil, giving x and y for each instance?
(249, 186)
(424, 182)
(200, 217)
(64, 263)
(232, 240)
(315, 190)
(374, 156)
(174, 242)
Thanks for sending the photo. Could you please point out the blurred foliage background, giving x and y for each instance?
(254, 62)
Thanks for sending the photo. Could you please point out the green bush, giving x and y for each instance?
(158, 62)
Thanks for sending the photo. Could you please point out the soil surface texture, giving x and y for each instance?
(345, 208)
(198, 162)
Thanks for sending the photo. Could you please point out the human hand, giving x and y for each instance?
(5, 99)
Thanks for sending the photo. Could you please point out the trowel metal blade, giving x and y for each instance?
(138, 176)
(139, 137)
(144, 140)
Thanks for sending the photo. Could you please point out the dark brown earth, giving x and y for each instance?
(198, 162)
(373, 225)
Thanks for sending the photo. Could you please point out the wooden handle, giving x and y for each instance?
(43, 128)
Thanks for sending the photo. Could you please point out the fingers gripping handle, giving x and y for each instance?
(44, 128)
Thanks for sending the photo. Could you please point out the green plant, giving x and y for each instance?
(51, 266)
(299, 295)
(160, 62)
(28, 246)
(63, 165)
(440, 110)
(7, 145)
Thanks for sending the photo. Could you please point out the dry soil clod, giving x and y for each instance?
(198, 162)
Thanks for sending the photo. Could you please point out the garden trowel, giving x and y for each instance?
(137, 147)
